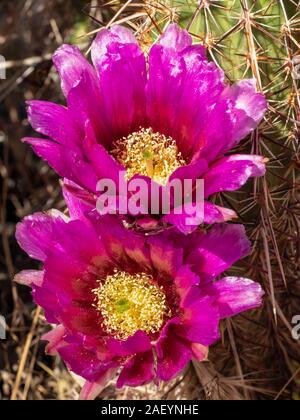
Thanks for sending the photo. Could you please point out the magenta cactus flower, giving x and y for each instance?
(169, 117)
(128, 305)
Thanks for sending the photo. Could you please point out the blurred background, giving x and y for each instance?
(258, 357)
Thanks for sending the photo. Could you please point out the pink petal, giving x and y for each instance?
(184, 280)
(121, 68)
(85, 363)
(192, 171)
(232, 172)
(165, 258)
(185, 218)
(55, 338)
(200, 321)
(176, 38)
(250, 107)
(30, 278)
(86, 103)
(104, 164)
(216, 251)
(34, 234)
(200, 352)
(236, 113)
(68, 162)
(216, 214)
(54, 121)
(139, 370)
(70, 64)
(79, 201)
(185, 78)
(173, 353)
(91, 390)
(105, 37)
(236, 294)
(49, 151)
(122, 245)
(137, 344)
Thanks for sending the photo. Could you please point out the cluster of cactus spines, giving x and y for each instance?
(260, 39)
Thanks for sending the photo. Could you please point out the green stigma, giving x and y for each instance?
(122, 306)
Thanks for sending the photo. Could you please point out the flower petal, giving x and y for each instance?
(105, 166)
(121, 68)
(79, 201)
(250, 107)
(49, 151)
(200, 321)
(68, 162)
(105, 37)
(70, 64)
(175, 37)
(179, 73)
(54, 121)
(127, 249)
(165, 258)
(216, 214)
(138, 343)
(34, 234)
(236, 294)
(139, 370)
(86, 103)
(216, 251)
(232, 172)
(84, 362)
(55, 338)
(30, 278)
(186, 218)
(184, 280)
(91, 390)
(200, 352)
(201, 87)
(192, 171)
(237, 112)
(173, 353)
(164, 88)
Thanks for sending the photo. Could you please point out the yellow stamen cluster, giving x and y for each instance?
(148, 153)
(129, 303)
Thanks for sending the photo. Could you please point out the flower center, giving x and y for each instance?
(148, 153)
(129, 303)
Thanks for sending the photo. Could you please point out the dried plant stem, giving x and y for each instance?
(24, 355)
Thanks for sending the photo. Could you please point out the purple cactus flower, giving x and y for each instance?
(167, 116)
(128, 305)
